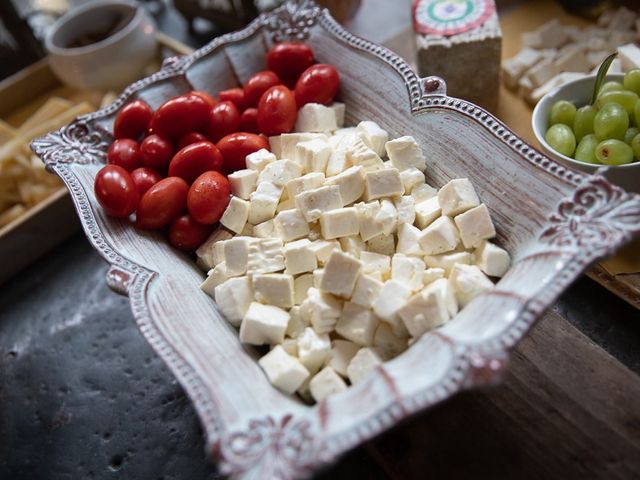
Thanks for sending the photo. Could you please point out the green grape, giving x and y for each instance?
(635, 147)
(611, 121)
(632, 80)
(561, 139)
(562, 112)
(609, 87)
(626, 98)
(630, 135)
(614, 152)
(586, 150)
(583, 123)
(636, 112)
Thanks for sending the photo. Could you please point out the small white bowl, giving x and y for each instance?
(579, 93)
(108, 64)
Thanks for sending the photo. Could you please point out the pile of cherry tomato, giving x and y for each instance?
(170, 166)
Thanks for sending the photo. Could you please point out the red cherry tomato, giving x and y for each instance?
(258, 84)
(249, 120)
(180, 115)
(145, 178)
(195, 159)
(187, 234)
(115, 191)
(211, 101)
(235, 96)
(125, 153)
(277, 111)
(223, 120)
(290, 59)
(189, 138)
(156, 152)
(236, 146)
(132, 120)
(162, 203)
(208, 197)
(317, 84)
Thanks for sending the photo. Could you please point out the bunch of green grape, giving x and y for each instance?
(603, 133)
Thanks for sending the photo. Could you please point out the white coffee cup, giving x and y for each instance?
(109, 63)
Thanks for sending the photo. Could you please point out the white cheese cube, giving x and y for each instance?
(357, 324)
(386, 343)
(288, 204)
(475, 225)
(408, 271)
(340, 274)
(313, 155)
(243, 182)
(236, 214)
(420, 193)
(387, 216)
(384, 244)
(468, 282)
(280, 172)
(391, 298)
(457, 196)
(366, 291)
(263, 325)
(404, 152)
(326, 382)
(323, 248)
(206, 252)
(290, 225)
(265, 256)
(408, 240)
(264, 229)
(321, 310)
(427, 211)
(360, 154)
(350, 182)
(411, 178)
(317, 277)
(236, 255)
(339, 109)
(290, 345)
(405, 207)
(304, 393)
(299, 258)
(382, 183)
(375, 262)
(373, 136)
(446, 261)
(286, 144)
(260, 159)
(492, 260)
(313, 203)
(314, 117)
(352, 245)
(284, 371)
(439, 237)
(297, 324)
(233, 297)
(215, 277)
(313, 349)
(362, 364)
(368, 224)
(304, 183)
(629, 56)
(343, 137)
(274, 289)
(340, 222)
(430, 275)
(264, 202)
(429, 308)
(342, 351)
(338, 162)
(301, 286)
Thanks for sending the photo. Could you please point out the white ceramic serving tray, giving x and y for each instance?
(554, 221)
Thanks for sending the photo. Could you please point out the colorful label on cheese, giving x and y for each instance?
(450, 17)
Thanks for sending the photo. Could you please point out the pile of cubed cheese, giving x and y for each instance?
(555, 54)
(339, 259)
